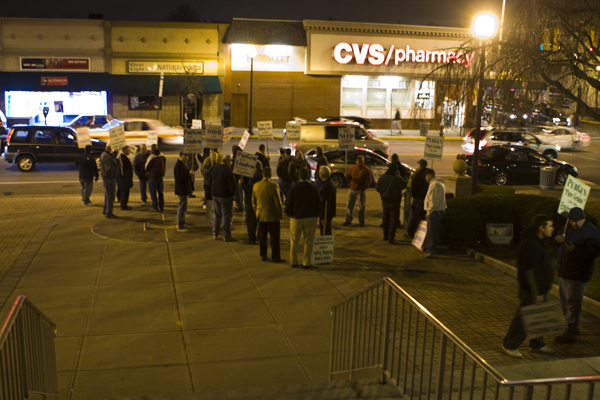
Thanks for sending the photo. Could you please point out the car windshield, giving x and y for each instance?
(157, 125)
(489, 152)
(112, 124)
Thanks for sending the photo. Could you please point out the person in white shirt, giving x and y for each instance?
(435, 206)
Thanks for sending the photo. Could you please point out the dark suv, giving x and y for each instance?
(28, 145)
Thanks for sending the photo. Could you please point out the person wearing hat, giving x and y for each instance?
(418, 188)
(579, 246)
(223, 185)
(88, 172)
(390, 186)
(183, 188)
(359, 177)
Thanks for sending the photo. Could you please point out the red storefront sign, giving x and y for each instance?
(78, 64)
(54, 81)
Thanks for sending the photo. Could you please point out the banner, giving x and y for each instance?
(192, 141)
(83, 138)
(152, 138)
(542, 319)
(265, 129)
(323, 249)
(575, 194)
(244, 140)
(117, 137)
(214, 137)
(346, 138)
(227, 132)
(292, 132)
(420, 235)
(434, 148)
(245, 164)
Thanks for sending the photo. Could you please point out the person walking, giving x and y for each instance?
(328, 200)
(435, 206)
(88, 173)
(359, 176)
(139, 167)
(535, 277)
(124, 177)
(263, 157)
(108, 170)
(183, 189)
(248, 184)
(418, 188)
(579, 246)
(269, 211)
(222, 189)
(303, 206)
(155, 171)
(321, 161)
(397, 122)
(296, 164)
(285, 181)
(390, 186)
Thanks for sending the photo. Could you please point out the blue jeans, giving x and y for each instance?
(143, 185)
(223, 207)
(181, 210)
(516, 333)
(571, 299)
(433, 232)
(391, 213)
(284, 188)
(239, 198)
(86, 191)
(353, 195)
(156, 193)
(110, 188)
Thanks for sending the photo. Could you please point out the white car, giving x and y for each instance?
(567, 138)
(515, 137)
(137, 129)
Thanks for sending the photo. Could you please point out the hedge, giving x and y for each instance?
(495, 189)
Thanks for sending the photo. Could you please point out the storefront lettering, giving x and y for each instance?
(375, 54)
(271, 59)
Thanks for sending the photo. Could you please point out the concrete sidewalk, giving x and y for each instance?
(143, 309)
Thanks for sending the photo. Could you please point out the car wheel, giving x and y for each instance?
(500, 178)
(561, 177)
(338, 180)
(551, 154)
(25, 163)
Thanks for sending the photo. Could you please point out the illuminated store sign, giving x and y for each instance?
(376, 54)
(157, 67)
(274, 58)
(62, 64)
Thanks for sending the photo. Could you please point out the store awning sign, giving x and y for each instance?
(62, 64)
(54, 81)
(157, 67)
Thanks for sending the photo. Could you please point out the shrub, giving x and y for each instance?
(495, 189)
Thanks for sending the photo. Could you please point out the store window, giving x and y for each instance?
(424, 95)
(376, 98)
(144, 103)
(352, 97)
(401, 95)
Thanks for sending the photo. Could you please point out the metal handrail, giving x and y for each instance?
(368, 316)
(27, 353)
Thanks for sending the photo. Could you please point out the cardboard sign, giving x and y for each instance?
(196, 124)
(434, 148)
(214, 137)
(346, 138)
(117, 137)
(192, 141)
(265, 129)
(245, 164)
(542, 319)
(152, 138)
(292, 132)
(213, 121)
(420, 235)
(377, 172)
(227, 132)
(575, 194)
(323, 249)
(83, 138)
(244, 140)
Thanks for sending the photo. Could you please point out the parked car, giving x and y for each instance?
(325, 135)
(565, 137)
(545, 114)
(28, 145)
(3, 131)
(505, 164)
(338, 163)
(90, 121)
(136, 131)
(514, 137)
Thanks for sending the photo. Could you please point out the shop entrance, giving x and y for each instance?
(239, 110)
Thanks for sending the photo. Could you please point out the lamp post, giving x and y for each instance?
(484, 26)
(252, 54)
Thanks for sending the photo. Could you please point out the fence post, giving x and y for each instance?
(386, 335)
(439, 391)
(354, 337)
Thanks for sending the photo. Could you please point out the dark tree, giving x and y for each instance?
(184, 13)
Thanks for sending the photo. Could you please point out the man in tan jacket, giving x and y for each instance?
(269, 211)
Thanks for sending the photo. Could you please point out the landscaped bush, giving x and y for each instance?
(495, 189)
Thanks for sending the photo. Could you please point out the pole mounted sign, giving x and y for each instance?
(265, 129)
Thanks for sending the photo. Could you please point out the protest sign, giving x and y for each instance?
(196, 124)
(575, 194)
(117, 137)
(227, 132)
(542, 319)
(83, 138)
(419, 237)
(323, 249)
(244, 140)
(377, 172)
(152, 138)
(192, 140)
(434, 148)
(265, 129)
(214, 137)
(346, 138)
(292, 132)
(245, 164)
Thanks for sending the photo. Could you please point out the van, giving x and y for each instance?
(325, 135)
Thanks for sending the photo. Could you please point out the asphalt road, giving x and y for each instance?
(62, 179)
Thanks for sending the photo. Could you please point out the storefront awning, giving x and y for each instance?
(148, 84)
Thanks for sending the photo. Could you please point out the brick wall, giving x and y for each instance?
(118, 107)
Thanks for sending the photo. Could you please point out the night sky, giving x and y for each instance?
(450, 13)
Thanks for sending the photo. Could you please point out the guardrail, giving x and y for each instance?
(384, 329)
(27, 353)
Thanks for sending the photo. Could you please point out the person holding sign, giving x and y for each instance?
(124, 178)
(269, 211)
(155, 171)
(222, 189)
(262, 157)
(285, 181)
(183, 188)
(535, 276)
(435, 206)
(579, 246)
(88, 172)
(390, 186)
(328, 200)
(248, 186)
(360, 180)
(296, 165)
(108, 170)
(139, 167)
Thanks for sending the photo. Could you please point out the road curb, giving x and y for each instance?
(589, 305)
(422, 138)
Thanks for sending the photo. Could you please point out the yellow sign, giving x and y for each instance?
(157, 67)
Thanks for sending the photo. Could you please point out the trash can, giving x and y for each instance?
(424, 128)
(547, 177)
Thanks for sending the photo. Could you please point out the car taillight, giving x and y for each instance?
(480, 163)
(9, 135)
(313, 166)
(482, 143)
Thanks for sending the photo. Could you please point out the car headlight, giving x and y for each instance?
(575, 170)
(557, 147)
(525, 116)
(512, 116)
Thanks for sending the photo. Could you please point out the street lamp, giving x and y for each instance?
(252, 54)
(484, 27)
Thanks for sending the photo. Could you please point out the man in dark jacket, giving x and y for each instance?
(124, 178)
(321, 161)
(239, 193)
(296, 164)
(328, 200)
(88, 173)
(108, 170)
(390, 186)
(577, 252)
(418, 190)
(535, 276)
(247, 186)
(303, 206)
(155, 171)
(222, 189)
(139, 167)
(183, 188)
(285, 181)
(262, 157)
